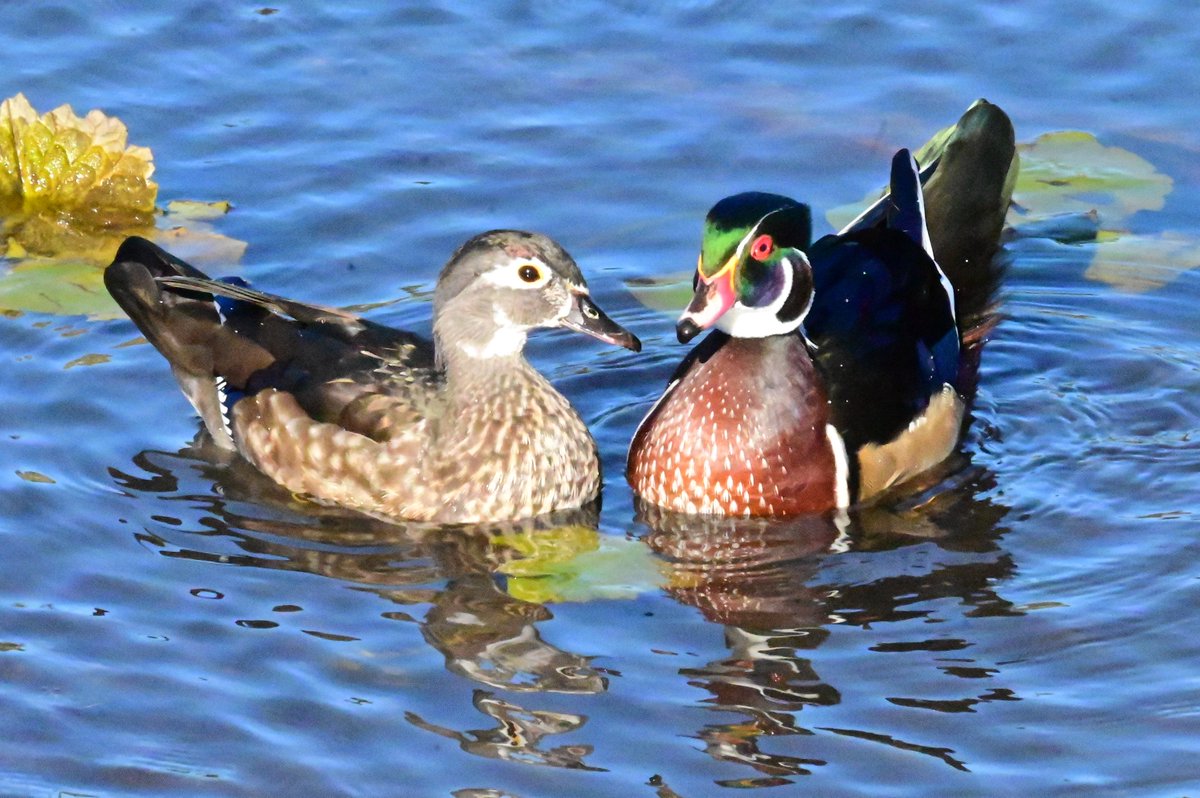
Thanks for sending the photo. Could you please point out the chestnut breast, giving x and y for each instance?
(742, 432)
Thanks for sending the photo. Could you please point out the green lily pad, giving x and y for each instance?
(61, 287)
(578, 564)
(668, 294)
(1068, 174)
(73, 285)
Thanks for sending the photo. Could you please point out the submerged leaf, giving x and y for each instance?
(577, 564)
(1137, 263)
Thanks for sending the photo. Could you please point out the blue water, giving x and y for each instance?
(171, 625)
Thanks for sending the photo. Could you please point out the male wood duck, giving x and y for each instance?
(836, 370)
(353, 413)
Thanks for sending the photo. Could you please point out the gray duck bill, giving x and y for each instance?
(586, 317)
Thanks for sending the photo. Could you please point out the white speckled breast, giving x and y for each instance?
(742, 433)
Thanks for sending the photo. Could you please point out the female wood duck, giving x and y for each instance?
(357, 414)
(836, 369)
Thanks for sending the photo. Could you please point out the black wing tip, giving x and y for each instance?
(908, 212)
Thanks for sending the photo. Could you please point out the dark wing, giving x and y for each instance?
(882, 318)
(224, 340)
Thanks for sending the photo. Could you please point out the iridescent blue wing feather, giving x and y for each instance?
(882, 319)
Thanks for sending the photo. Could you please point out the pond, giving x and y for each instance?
(171, 623)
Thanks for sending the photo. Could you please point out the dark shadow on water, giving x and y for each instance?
(485, 634)
(778, 587)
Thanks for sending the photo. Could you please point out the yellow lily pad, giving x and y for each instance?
(201, 246)
(1072, 172)
(35, 476)
(197, 210)
(60, 162)
(536, 550)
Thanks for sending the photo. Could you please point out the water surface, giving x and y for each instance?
(171, 624)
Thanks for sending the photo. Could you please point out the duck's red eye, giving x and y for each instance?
(762, 247)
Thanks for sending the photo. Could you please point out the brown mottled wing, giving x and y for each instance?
(326, 461)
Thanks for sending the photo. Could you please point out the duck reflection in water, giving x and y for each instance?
(766, 582)
(516, 734)
(485, 634)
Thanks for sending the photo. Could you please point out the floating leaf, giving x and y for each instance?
(74, 285)
(669, 293)
(200, 245)
(35, 476)
(1071, 184)
(1067, 173)
(538, 548)
(1072, 172)
(198, 211)
(71, 190)
(1075, 190)
(62, 287)
(94, 359)
(578, 564)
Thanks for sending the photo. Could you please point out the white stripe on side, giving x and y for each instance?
(841, 467)
(928, 244)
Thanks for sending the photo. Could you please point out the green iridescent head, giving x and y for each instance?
(731, 219)
(751, 255)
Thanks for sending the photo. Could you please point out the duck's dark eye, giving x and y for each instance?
(529, 273)
(762, 247)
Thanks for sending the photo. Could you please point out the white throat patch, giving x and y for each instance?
(508, 339)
